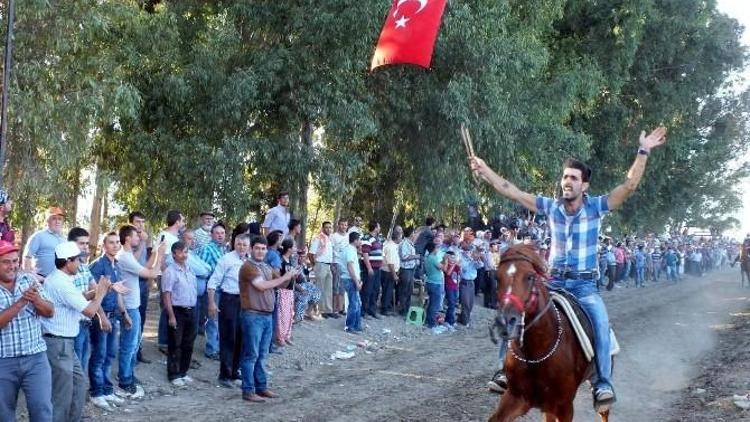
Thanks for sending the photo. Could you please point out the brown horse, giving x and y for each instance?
(545, 364)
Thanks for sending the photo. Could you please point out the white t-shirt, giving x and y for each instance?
(68, 302)
(129, 269)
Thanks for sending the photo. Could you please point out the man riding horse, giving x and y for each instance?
(575, 220)
(744, 259)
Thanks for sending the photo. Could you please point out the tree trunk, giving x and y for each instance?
(306, 138)
(95, 229)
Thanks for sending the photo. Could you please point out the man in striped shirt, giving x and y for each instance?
(210, 254)
(23, 361)
(372, 261)
(575, 219)
(68, 382)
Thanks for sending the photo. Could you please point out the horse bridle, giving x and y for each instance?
(530, 305)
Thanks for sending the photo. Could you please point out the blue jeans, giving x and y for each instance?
(81, 344)
(639, 275)
(256, 338)
(585, 291)
(103, 351)
(212, 329)
(129, 340)
(451, 297)
(33, 375)
(354, 311)
(201, 305)
(672, 273)
(435, 293)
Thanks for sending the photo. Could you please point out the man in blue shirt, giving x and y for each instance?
(103, 338)
(575, 222)
(39, 255)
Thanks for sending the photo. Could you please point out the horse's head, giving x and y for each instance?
(520, 275)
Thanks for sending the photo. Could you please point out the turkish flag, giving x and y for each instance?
(409, 33)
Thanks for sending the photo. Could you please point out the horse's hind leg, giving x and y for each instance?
(604, 416)
(509, 408)
(563, 413)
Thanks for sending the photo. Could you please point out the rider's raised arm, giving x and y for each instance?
(624, 190)
(502, 186)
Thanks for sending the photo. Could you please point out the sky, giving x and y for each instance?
(740, 10)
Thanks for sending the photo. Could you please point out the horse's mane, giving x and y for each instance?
(525, 253)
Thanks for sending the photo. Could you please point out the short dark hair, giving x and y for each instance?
(59, 262)
(135, 214)
(572, 163)
(258, 240)
(429, 247)
(126, 231)
(324, 224)
(274, 237)
(429, 221)
(408, 231)
(173, 216)
(286, 245)
(178, 246)
(372, 225)
(353, 237)
(77, 232)
(219, 224)
(112, 233)
(293, 223)
(285, 193)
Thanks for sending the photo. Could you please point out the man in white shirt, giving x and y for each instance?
(68, 381)
(226, 277)
(321, 254)
(390, 271)
(339, 240)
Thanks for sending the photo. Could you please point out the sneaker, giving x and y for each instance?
(604, 394)
(178, 382)
(139, 393)
(499, 383)
(114, 399)
(740, 397)
(237, 383)
(188, 379)
(101, 403)
(226, 383)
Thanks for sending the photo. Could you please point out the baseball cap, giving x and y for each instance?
(211, 213)
(67, 250)
(7, 247)
(55, 211)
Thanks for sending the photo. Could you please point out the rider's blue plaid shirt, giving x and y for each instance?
(574, 237)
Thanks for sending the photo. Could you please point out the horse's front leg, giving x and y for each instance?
(509, 408)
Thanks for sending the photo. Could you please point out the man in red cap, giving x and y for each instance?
(23, 358)
(42, 244)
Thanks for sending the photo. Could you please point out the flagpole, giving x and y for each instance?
(10, 16)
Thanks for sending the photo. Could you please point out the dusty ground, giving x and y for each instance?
(667, 334)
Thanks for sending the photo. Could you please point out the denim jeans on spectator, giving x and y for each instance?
(370, 291)
(144, 285)
(212, 329)
(354, 311)
(103, 351)
(451, 297)
(81, 344)
(672, 273)
(640, 276)
(435, 294)
(201, 306)
(256, 338)
(129, 340)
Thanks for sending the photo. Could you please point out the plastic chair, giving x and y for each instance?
(415, 316)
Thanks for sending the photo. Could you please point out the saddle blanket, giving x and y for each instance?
(581, 324)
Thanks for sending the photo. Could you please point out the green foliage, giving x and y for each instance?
(198, 104)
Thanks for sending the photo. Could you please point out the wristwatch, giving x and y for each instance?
(642, 151)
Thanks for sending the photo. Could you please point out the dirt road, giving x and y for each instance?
(666, 333)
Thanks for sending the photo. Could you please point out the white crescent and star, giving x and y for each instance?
(403, 20)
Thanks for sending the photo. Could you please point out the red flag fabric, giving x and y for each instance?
(409, 33)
